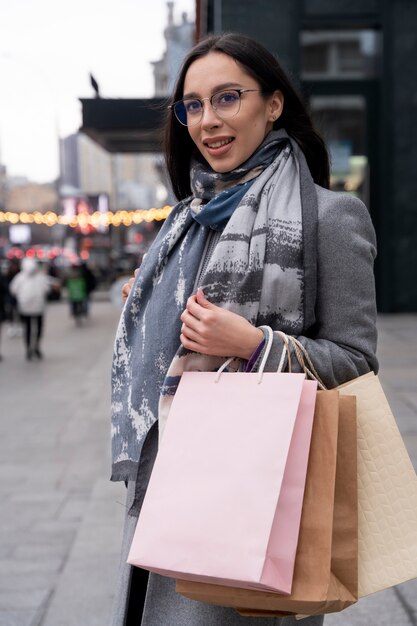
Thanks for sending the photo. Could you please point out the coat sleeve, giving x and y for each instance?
(342, 344)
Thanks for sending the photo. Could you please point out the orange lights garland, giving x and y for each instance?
(83, 220)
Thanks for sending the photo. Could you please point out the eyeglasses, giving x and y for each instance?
(189, 111)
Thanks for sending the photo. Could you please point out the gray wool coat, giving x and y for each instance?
(342, 346)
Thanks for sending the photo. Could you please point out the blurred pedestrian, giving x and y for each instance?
(53, 272)
(12, 313)
(30, 287)
(90, 285)
(4, 289)
(76, 286)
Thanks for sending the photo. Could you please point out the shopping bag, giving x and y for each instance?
(387, 486)
(225, 496)
(325, 575)
(387, 492)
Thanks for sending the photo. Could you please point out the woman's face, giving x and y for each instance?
(227, 143)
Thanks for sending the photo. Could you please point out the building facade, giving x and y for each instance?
(84, 165)
(131, 181)
(354, 62)
(178, 40)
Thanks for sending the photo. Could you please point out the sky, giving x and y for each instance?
(47, 50)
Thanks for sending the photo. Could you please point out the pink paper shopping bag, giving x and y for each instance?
(225, 496)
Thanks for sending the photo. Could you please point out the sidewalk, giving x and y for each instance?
(61, 518)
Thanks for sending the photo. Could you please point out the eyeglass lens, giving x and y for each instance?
(190, 110)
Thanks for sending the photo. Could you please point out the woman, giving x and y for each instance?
(256, 239)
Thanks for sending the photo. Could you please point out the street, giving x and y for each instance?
(61, 518)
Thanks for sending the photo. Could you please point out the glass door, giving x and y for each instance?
(340, 75)
(341, 121)
(346, 115)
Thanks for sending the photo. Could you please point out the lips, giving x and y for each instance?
(219, 143)
(218, 146)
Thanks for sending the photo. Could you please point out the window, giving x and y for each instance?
(334, 54)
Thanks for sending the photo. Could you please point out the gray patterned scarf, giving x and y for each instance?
(260, 268)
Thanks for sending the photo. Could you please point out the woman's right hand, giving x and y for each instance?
(128, 286)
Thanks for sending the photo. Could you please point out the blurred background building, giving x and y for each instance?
(179, 38)
(354, 62)
(125, 163)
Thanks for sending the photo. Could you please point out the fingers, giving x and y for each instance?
(201, 298)
(213, 330)
(198, 319)
(189, 344)
(196, 310)
(190, 334)
(128, 286)
(189, 320)
(125, 291)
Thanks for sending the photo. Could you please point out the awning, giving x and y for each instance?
(124, 124)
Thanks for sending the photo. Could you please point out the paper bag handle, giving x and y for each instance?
(269, 333)
(304, 360)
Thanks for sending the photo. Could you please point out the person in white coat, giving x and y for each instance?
(30, 287)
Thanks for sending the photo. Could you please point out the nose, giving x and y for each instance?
(209, 116)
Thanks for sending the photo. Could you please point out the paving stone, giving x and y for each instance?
(17, 580)
(407, 593)
(73, 509)
(84, 581)
(16, 511)
(40, 550)
(35, 497)
(5, 550)
(54, 529)
(24, 566)
(23, 598)
(412, 397)
(93, 540)
(18, 618)
(109, 510)
(382, 609)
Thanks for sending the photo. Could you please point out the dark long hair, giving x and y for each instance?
(259, 63)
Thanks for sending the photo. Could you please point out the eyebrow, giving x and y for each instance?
(230, 85)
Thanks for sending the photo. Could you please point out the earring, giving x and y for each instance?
(274, 117)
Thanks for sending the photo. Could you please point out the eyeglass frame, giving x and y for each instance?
(239, 91)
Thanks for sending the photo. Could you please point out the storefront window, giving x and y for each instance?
(333, 54)
(341, 120)
(338, 67)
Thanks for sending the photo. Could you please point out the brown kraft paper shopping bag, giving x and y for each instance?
(326, 568)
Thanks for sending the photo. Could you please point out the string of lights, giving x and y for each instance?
(83, 220)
